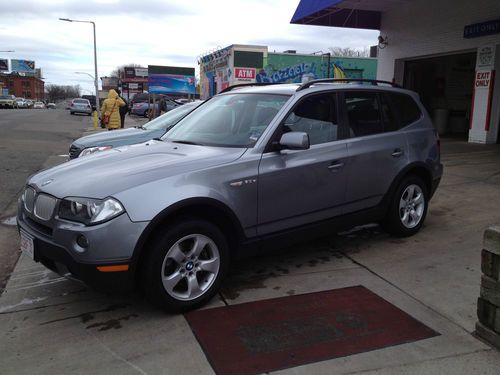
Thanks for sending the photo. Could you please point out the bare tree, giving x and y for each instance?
(58, 92)
(118, 69)
(349, 52)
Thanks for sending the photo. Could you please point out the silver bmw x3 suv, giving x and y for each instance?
(252, 166)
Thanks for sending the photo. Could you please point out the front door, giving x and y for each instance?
(298, 187)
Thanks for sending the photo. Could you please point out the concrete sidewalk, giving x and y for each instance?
(49, 324)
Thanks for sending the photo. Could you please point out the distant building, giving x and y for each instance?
(24, 86)
(238, 64)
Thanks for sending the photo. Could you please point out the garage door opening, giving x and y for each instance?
(445, 86)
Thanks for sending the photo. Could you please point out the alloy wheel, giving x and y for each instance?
(411, 206)
(190, 267)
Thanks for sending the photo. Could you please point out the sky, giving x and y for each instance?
(153, 32)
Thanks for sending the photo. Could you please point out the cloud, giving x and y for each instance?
(79, 9)
(154, 32)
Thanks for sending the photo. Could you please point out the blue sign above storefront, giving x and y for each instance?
(482, 29)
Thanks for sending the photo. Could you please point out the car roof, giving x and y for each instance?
(293, 88)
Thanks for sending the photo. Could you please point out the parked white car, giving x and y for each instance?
(39, 105)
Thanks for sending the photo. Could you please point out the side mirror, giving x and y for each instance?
(295, 141)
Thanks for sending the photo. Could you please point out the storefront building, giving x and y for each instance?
(22, 86)
(238, 64)
(447, 51)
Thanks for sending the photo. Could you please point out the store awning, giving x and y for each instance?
(339, 13)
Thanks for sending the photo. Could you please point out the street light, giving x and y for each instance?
(95, 66)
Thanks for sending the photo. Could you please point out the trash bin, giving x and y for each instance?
(440, 119)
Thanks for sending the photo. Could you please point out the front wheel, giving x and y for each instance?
(185, 265)
(408, 207)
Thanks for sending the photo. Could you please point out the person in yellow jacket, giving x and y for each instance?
(111, 107)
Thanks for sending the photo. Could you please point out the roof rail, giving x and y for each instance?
(246, 84)
(374, 82)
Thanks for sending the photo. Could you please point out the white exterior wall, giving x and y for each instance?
(432, 27)
(427, 28)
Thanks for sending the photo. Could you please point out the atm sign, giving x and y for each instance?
(244, 73)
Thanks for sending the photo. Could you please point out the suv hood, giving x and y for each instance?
(118, 137)
(107, 173)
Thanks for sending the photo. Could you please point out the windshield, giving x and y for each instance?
(231, 120)
(171, 117)
(5, 97)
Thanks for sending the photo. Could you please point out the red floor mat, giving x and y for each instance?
(279, 333)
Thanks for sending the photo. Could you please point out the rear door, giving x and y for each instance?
(298, 187)
(377, 153)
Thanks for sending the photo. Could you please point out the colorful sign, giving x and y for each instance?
(244, 73)
(171, 84)
(4, 65)
(26, 66)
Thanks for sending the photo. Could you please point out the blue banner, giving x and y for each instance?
(171, 84)
(25, 66)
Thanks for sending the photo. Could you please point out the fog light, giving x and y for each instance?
(82, 241)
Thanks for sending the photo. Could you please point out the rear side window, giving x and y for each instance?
(406, 107)
(363, 113)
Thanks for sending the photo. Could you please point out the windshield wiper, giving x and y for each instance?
(158, 139)
(187, 143)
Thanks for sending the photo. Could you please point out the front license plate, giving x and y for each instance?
(27, 245)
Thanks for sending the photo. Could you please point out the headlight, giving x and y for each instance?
(93, 150)
(89, 211)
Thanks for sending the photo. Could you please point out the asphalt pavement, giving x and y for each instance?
(52, 325)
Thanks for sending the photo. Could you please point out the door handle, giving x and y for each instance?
(335, 166)
(397, 153)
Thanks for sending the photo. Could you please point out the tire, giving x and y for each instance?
(408, 208)
(177, 274)
(146, 113)
(72, 113)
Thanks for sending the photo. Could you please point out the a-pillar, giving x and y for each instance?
(485, 112)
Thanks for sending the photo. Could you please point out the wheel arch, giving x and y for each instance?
(209, 209)
(419, 169)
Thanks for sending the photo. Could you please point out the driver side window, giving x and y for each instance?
(315, 115)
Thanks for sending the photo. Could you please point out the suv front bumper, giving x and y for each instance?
(110, 244)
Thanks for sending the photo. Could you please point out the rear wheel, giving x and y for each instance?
(185, 265)
(72, 113)
(408, 207)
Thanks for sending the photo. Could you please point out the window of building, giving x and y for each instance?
(363, 113)
(317, 116)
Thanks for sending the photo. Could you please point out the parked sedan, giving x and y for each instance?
(39, 105)
(143, 108)
(21, 103)
(107, 140)
(80, 105)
